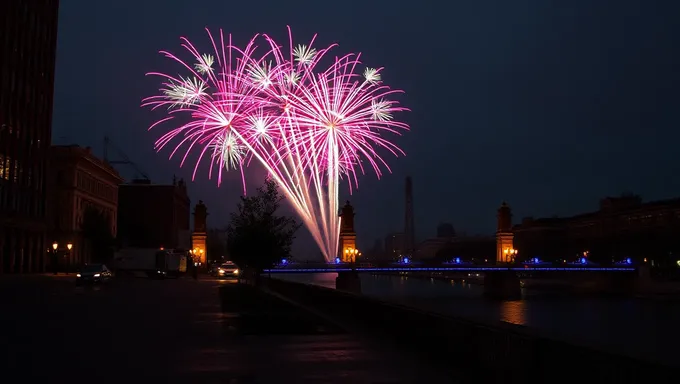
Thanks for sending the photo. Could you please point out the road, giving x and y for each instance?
(172, 330)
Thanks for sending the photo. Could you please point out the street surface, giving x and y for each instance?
(171, 330)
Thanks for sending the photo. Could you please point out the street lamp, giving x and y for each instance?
(55, 245)
(68, 256)
(510, 254)
(351, 254)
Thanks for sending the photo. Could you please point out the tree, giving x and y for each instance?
(257, 237)
(96, 229)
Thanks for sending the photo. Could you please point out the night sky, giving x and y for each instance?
(549, 105)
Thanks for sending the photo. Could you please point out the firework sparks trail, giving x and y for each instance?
(307, 127)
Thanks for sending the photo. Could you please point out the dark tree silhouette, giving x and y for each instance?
(257, 237)
(97, 232)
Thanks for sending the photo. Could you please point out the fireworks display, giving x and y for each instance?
(308, 124)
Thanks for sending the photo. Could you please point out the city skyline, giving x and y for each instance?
(548, 138)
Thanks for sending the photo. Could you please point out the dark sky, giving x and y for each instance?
(549, 105)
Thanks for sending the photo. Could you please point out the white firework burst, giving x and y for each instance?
(292, 78)
(186, 91)
(205, 64)
(381, 110)
(304, 54)
(261, 74)
(372, 75)
(228, 151)
(260, 124)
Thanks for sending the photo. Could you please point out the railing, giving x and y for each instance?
(344, 268)
(478, 353)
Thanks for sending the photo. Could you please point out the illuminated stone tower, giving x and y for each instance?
(409, 230)
(200, 234)
(348, 238)
(505, 251)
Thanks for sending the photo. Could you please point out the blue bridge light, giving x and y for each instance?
(337, 260)
(284, 261)
(406, 260)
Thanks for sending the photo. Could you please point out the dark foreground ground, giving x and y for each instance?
(174, 330)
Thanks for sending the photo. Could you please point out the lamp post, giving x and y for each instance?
(510, 255)
(68, 256)
(55, 261)
(351, 254)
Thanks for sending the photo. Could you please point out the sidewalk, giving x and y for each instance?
(280, 343)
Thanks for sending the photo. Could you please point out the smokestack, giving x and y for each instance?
(409, 230)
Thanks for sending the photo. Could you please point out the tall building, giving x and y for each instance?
(409, 230)
(153, 215)
(28, 43)
(78, 180)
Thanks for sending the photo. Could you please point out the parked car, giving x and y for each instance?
(93, 274)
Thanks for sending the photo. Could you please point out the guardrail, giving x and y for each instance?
(448, 269)
(479, 353)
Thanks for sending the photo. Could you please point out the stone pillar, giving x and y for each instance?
(348, 237)
(505, 250)
(200, 234)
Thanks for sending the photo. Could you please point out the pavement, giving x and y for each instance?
(175, 331)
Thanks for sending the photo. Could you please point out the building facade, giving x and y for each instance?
(28, 41)
(153, 215)
(78, 181)
(622, 227)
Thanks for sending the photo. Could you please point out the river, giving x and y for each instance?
(637, 327)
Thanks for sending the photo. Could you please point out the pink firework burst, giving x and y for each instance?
(307, 127)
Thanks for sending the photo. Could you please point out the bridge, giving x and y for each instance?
(500, 281)
(526, 268)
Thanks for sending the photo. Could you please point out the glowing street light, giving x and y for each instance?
(55, 245)
(69, 246)
(510, 254)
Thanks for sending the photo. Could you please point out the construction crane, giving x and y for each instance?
(124, 159)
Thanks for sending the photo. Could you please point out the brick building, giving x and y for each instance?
(79, 180)
(28, 42)
(153, 215)
(623, 227)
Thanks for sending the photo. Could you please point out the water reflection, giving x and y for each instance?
(629, 325)
(513, 312)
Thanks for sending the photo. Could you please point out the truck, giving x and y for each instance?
(157, 263)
